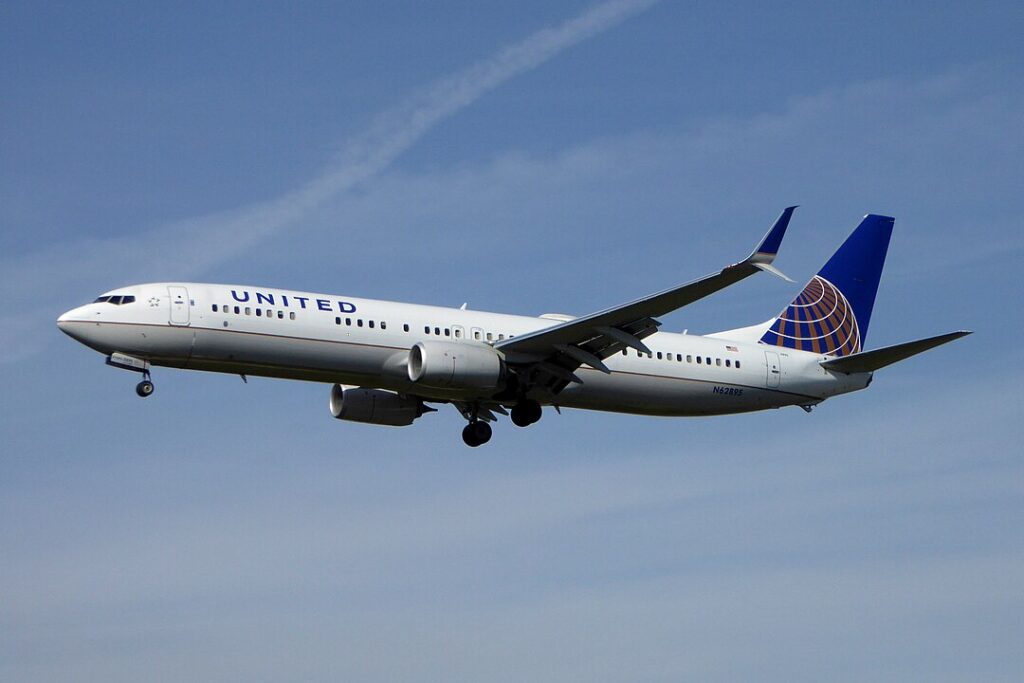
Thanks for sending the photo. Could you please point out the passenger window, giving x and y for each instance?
(490, 337)
(337, 321)
(659, 355)
(476, 335)
(215, 308)
(291, 315)
(689, 358)
(698, 360)
(679, 358)
(383, 325)
(237, 310)
(728, 363)
(718, 362)
(447, 332)
(437, 331)
(405, 327)
(426, 329)
(737, 364)
(708, 359)
(370, 323)
(248, 311)
(458, 333)
(359, 322)
(500, 337)
(280, 315)
(259, 312)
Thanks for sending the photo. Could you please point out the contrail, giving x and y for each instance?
(204, 240)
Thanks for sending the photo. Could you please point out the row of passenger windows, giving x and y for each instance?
(678, 357)
(359, 323)
(116, 300)
(455, 332)
(260, 312)
(478, 334)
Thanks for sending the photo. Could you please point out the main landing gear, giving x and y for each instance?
(476, 433)
(526, 412)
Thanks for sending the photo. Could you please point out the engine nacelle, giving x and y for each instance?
(374, 406)
(450, 365)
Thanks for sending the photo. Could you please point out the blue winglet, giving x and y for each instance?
(769, 247)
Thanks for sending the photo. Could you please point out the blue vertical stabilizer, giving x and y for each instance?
(832, 313)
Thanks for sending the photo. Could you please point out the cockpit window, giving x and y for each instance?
(116, 300)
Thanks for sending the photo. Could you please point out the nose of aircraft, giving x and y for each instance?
(66, 323)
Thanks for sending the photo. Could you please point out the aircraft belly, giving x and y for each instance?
(289, 357)
(667, 396)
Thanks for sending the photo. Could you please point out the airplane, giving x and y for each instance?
(387, 361)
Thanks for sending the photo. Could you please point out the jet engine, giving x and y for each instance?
(374, 406)
(450, 365)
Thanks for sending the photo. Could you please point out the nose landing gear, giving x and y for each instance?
(145, 387)
(119, 360)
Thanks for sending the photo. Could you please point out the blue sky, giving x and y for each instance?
(529, 158)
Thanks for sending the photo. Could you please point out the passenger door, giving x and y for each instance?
(179, 305)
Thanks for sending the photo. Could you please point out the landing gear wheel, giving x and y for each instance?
(144, 388)
(476, 434)
(526, 412)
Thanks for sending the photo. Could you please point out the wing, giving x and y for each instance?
(548, 358)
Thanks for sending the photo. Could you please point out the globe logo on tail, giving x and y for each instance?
(819, 320)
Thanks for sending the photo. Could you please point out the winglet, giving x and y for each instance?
(768, 248)
(762, 257)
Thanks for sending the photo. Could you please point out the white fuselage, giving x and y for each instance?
(365, 342)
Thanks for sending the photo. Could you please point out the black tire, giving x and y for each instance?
(482, 431)
(469, 436)
(144, 388)
(526, 412)
(476, 434)
(520, 417)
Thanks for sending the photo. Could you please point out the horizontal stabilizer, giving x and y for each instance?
(869, 361)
